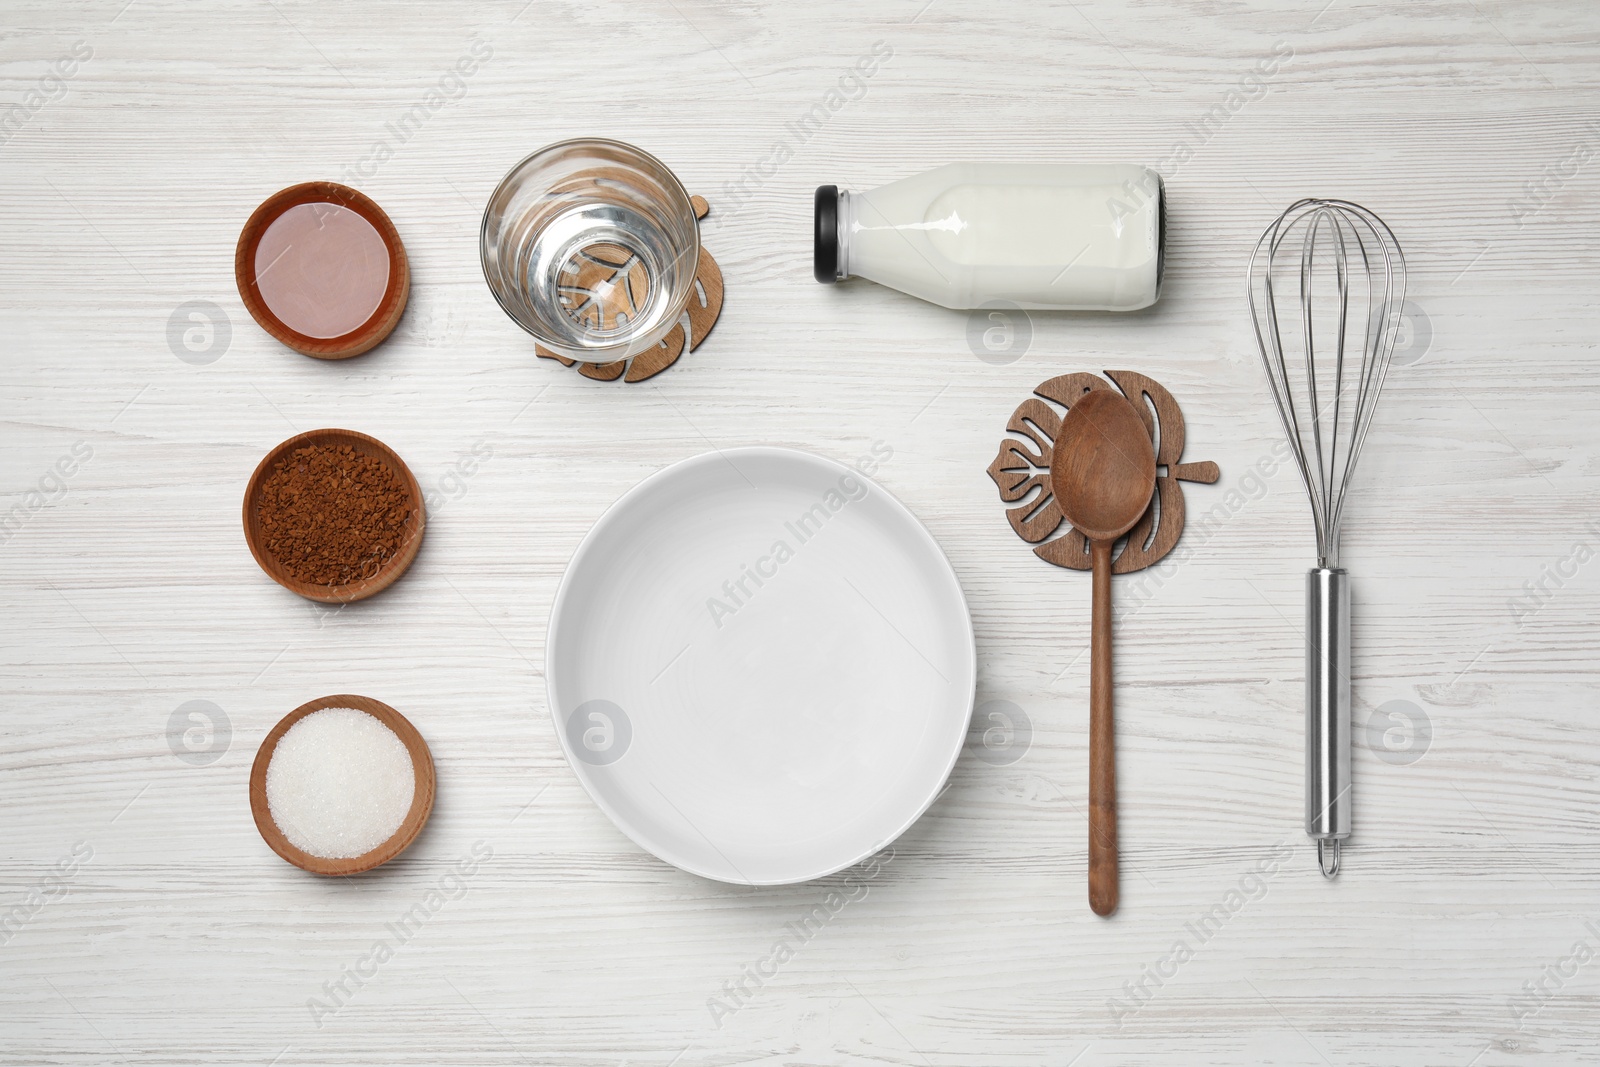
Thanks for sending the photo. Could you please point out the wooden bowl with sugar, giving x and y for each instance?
(384, 573)
(416, 817)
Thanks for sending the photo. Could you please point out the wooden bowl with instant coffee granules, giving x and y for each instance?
(333, 515)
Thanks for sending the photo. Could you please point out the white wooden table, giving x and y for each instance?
(146, 922)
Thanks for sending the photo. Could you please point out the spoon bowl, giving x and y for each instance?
(1103, 466)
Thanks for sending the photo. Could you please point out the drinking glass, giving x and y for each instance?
(591, 246)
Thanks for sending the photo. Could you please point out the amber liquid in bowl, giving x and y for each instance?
(322, 269)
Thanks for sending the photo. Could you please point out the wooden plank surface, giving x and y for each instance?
(177, 937)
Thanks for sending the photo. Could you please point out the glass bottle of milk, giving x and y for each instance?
(1073, 237)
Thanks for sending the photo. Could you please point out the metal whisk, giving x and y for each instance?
(1327, 284)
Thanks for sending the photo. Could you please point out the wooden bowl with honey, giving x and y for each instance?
(321, 267)
(333, 515)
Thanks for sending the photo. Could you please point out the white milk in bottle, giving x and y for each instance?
(1070, 237)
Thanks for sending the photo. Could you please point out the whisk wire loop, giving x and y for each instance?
(1325, 383)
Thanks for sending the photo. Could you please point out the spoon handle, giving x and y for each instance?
(1102, 744)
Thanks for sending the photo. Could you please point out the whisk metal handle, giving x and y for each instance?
(1328, 712)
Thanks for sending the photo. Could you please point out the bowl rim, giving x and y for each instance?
(612, 353)
(395, 295)
(416, 817)
(386, 575)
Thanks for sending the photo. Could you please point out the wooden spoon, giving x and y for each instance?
(1103, 473)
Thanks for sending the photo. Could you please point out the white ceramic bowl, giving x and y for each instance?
(760, 665)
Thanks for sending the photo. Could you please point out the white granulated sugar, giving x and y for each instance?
(340, 783)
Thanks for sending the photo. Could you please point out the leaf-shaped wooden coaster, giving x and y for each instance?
(705, 305)
(1021, 470)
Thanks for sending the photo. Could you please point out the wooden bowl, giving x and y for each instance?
(392, 569)
(416, 818)
(393, 303)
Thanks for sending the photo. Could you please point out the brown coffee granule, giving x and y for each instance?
(331, 515)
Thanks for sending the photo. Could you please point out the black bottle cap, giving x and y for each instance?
(825, 241)
(1161, 232)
